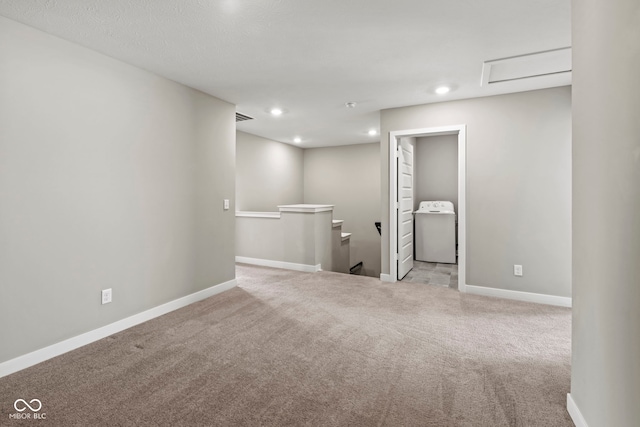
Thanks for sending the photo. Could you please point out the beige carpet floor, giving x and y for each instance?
(299, 349)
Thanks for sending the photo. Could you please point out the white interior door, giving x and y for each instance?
(405, 207)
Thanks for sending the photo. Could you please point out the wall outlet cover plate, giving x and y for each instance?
(106, 296)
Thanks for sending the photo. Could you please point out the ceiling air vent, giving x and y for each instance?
(242, 117)
(531, 65)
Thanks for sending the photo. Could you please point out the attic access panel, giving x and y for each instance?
(532, 65)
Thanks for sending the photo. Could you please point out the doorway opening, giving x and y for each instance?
(401, 164)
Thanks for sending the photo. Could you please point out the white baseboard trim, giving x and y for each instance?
(574, 412)
(22, 362)
(280, 264)
(386, 278)
(519, 295)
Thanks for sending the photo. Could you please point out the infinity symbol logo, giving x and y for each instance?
(26, 405)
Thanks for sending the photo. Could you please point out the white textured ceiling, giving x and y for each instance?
(309, 57)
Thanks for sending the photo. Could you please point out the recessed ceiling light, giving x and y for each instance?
(297, 140)
(373, 132)
(350, 105)
(276, 111)
(441, 90)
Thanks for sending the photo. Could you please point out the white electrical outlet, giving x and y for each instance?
(226, 204)
(517, 270)
(106, 296)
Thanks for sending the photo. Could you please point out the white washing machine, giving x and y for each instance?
(435, 233)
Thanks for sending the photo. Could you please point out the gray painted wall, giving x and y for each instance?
(518, 185)
(269, 173)
(436, 169)
(605, 370)
(110, 177)
(349, 178)
(295, 237)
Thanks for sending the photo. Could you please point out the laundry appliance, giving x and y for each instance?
(435, 232)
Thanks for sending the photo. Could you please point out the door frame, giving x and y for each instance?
(461, 131)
